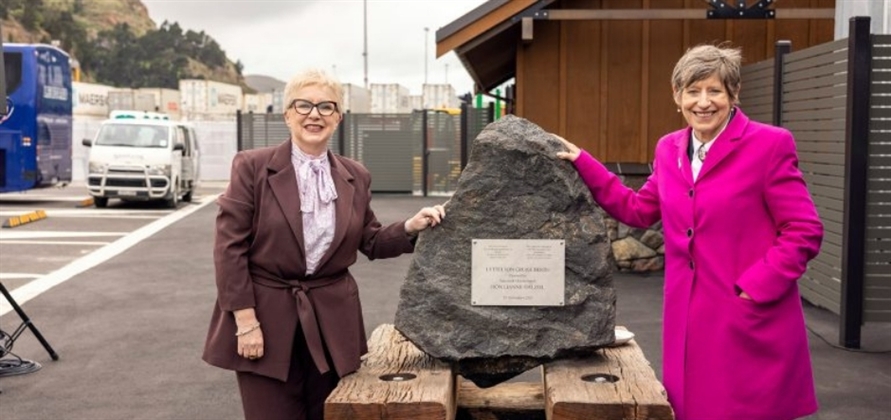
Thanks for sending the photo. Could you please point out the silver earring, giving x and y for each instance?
(679, 110)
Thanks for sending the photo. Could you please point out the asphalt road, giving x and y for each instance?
(124, 296)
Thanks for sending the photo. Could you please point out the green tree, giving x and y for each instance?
(61, 25)
(117, 61)
(10, 7)
(32, 15)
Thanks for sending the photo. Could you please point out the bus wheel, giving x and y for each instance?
(100, 202)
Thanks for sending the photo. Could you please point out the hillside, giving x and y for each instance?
(93, 16)
(103, 36)
(261, 83)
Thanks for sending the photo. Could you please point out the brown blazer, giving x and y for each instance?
(259, 243)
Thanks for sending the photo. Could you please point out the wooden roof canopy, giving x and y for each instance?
(486, 38)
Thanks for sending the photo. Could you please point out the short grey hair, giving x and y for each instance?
(702, 61)
(313, 77)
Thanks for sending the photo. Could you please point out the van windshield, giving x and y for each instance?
(133, 135)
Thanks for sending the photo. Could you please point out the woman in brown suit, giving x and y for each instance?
(288, 319)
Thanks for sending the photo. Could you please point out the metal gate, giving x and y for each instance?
(420, 153)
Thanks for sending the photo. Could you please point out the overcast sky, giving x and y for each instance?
(280, 37)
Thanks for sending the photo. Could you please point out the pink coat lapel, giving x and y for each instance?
(725, 144)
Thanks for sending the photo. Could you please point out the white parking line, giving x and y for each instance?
(123, 214)
(104, 216)
(17, 242)
(34, 288)
(55, 234)
(10, 276)
(10, 197)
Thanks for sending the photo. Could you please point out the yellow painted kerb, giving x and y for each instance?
(25, 218)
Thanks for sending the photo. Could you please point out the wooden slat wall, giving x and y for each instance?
(814, 110)
(541, 67)
(877, 281)
(585, 77)
(756, 97)
(605, 85)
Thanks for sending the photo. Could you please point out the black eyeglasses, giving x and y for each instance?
(304, 107)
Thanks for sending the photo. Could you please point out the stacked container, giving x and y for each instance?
(390, 99)
(439, 96)
(356, 99)
(166, 101)
(209, 100)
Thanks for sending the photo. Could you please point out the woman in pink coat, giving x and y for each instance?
(740, 227)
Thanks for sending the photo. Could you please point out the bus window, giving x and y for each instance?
(51, 77)
(12, 65)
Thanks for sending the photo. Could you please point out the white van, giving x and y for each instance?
(142, 156)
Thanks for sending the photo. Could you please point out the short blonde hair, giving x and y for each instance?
(313, 77)
(702, 61)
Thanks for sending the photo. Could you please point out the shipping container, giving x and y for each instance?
(120, 99)
(356, 99)
(143, 101)
(208, 100)
(416, 101)
(390, 98)
(164, 100)
(267, 101)
(278, 99)
(257, 102)
(439, 96)
(126, 99)
(90, 99)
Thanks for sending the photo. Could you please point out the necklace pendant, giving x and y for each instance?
(701, 153)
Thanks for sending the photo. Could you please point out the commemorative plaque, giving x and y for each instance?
(517, 272)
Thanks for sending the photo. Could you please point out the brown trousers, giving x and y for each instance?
(302, 397)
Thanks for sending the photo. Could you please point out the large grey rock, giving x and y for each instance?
(512, 188)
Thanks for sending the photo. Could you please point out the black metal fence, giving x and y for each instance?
(420, 153)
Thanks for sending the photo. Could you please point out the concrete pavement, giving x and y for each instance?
(129, 333)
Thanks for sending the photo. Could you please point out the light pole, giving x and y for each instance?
(365, 38)
(426, 31)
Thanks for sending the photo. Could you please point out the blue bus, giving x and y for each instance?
(35, 130)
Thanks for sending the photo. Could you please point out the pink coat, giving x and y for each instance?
(748, 223)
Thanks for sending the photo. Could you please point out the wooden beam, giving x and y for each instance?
(624, 14)
(615, 383)
(481, 25)
(507, 396)
(526, 29)
(418, 386)
(661, 14)
(826, 13)
(643, 151)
